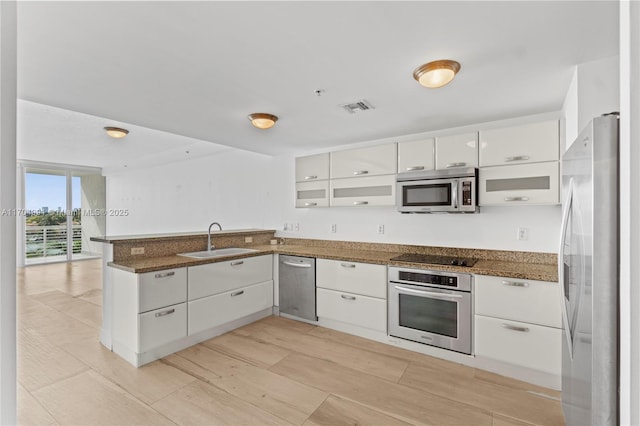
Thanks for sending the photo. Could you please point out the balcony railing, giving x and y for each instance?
(48, 241)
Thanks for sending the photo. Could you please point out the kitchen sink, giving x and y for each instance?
(205, 254)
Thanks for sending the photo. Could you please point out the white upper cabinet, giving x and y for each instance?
(416, 155)
(312, 167)
(520, 184)
(529, 143)
(457, 151)
(312, 194)
(370, 161)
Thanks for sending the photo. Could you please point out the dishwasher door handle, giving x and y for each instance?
(297, 265)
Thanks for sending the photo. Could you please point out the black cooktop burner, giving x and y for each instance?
(435, 260)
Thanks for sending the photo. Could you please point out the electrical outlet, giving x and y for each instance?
(248, 240)
(380, 229)
(334, 228)
(137, 250)
(296, 227)
(523, 234)
(286, 227)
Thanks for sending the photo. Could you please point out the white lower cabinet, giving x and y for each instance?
(363, 311)
(162, 326)
(353, 277)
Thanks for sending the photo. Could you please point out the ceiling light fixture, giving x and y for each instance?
(262, 120)
(437, 73)
(116, 132)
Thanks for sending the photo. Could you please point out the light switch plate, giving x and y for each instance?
(137, 250)
(248, 240)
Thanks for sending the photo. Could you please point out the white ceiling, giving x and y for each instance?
(198, 68)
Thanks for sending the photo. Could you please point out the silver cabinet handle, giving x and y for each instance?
(239, 262)
(310, 177)
(516, 198)
(451, 165)
(515, 284)
(360, 203)
(310, 204)
(428, 294)
(411, 169)
(297, 265)
(344, 296)
(515, 328)
(165, 274)
(237, 293)
(348, 265)
(361, 172)
(517, 158)
(164, 313)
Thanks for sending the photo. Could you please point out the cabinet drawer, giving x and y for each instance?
(351, 308)
(162, 326)
(529, 143)
(457, 151)
(312, 167)
(370, 161)
(536, 302)
(415, 156)
(222, 308)
(519, 343)
(520, 184)
(365, 191)
(214, 278)
(353, 277)
(162, 288)
(312, 194)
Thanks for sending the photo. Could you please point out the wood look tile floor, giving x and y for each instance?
(272, 372)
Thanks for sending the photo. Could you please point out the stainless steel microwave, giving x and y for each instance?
(438, 191)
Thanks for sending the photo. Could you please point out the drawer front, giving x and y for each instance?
(214, 278)
(162, 288)
(415, 156)
(529, 143)
(457, 151)
(521, 184)
(364, 191)
(370, 161)
(312, 167)
(519, 343)
(312, 194)
(536, 302)
(353, 277)
(352, 308)
(222, 308)
(162, 326)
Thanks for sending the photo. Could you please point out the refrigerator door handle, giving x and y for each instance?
(565, 221)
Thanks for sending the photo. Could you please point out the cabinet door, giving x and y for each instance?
(529, 143)
(536, 302)
(355, 309)
(162, 288)
(415, 155)
(520, 184)
(519, 343)
(162, 326)
(354, 277)
(312, 167)
(364, 191)
(312, 194)
(457, 151)
(213, 311)
(214, 278)
(371, 161)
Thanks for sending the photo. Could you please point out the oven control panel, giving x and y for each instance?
(424, 277)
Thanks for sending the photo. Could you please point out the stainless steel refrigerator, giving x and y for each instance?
(588, 275)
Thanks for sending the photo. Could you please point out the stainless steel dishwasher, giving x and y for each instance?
(298, 287)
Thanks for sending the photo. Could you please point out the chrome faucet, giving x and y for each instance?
(209, 235)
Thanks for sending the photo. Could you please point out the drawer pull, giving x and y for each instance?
(164, 313)
(360, 203)
(310, 204)
(237, 293)
(516, 328)
(165, 274)
(239, 262)
(426, 337)
(361, 172)
(516, 198)
(348, 265)
(414, 168)
(310, 177)
(452, 165)
(344, 296)
(517, 158)
(515, 284)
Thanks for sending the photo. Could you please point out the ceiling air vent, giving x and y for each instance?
(358, 106)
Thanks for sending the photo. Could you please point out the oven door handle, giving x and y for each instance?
(432, 294)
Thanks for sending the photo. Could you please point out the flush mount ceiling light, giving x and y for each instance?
(116, 132)
(437, 73)
(263, 120)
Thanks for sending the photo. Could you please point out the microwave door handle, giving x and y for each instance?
(454, 196)
(431, 294)
(565, 221)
